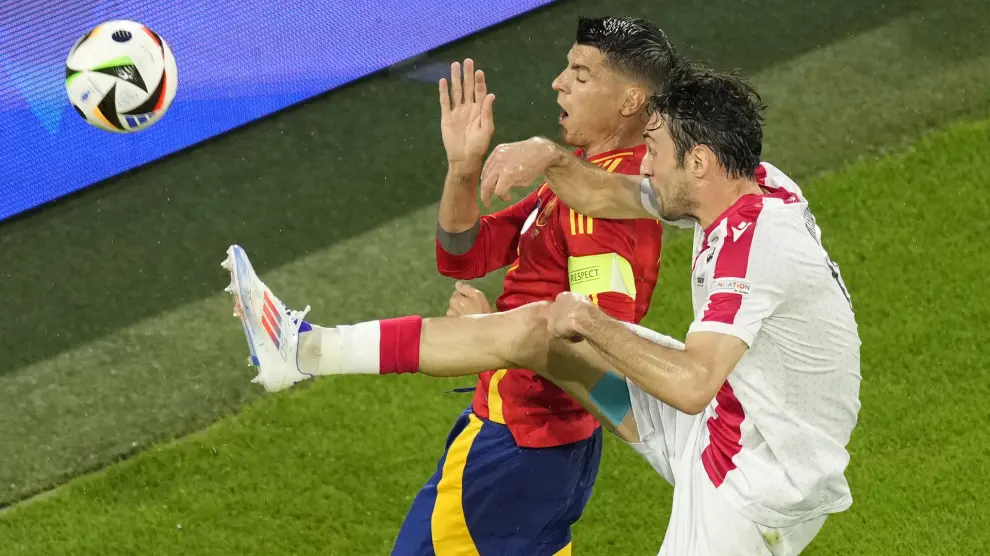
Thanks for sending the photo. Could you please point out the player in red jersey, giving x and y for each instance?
(549, 248)
(520, 463)
(524, 501)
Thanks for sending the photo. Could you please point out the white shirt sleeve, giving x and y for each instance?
(651, 203)
(750, 278)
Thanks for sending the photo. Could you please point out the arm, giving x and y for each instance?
(593, 191)
(494, 243)
(687, 380)
(467, 125)
(580, 185)
(750, 275)
(458, 211)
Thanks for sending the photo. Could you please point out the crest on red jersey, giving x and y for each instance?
(545, 215)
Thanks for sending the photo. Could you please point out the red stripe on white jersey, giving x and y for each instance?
(761, 175)
(733, 262)
(725, 434)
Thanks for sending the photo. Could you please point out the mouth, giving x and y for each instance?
(563, 116)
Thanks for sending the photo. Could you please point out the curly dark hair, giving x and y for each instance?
(632, 46)
(700, 106)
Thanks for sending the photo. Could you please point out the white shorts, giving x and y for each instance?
(702, 522)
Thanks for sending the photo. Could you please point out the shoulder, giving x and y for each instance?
(631, 163)
(765, 233)
(768, 175)
(622, 161)
(778, 208)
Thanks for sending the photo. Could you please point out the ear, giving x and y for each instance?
(701, 161)
(633, 101)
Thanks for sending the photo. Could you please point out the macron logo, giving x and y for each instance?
(738, 230)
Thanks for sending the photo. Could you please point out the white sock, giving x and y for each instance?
(346, 349)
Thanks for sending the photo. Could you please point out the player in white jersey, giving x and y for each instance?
(751, 420)
(748, 419)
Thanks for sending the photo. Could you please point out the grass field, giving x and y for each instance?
(124, 342)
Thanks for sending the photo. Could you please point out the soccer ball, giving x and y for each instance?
(121, 76)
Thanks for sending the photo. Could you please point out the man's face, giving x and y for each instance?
(590, 96)
(669, 179)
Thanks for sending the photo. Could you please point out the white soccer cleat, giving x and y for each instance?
(272, 330)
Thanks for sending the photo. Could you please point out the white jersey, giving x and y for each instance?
(778, 428)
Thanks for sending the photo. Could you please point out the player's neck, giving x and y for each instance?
(716, 198)
(622, 139)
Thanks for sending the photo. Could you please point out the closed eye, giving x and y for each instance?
(581, 72)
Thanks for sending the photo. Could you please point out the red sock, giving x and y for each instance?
(398, 350)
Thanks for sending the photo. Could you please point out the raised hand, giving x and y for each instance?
(466, 118)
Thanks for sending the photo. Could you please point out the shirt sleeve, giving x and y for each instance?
(751, 274)
(602, 259)
(496, 245)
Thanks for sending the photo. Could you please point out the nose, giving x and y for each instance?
(558, 83)
(646, 165)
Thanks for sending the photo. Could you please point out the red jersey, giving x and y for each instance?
(551, 249)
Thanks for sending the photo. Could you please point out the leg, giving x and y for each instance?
(288, 350)
(459, 346)
(465, 345)
(415, 536)
(583, 373)
(454, 346)
(491, 497)
(704, 523)
(442, 346)
(523, 500)
(519, 339)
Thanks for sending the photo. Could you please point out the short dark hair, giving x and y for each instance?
(700, 106)
(633, 46)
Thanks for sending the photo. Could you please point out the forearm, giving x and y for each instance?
(490, 244)
(591, 190)
(672, 376)
(458, 205)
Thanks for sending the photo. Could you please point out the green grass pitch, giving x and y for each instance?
(330, 467)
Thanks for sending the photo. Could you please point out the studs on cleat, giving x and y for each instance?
(228, 263)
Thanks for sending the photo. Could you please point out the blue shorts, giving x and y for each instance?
(491, 498)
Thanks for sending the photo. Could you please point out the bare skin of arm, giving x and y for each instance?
(582, 186)
(687, 380)
(458, 209)
(471, 344)
(575, 345)
(467, 124)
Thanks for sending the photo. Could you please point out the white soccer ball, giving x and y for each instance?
(121, 76)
